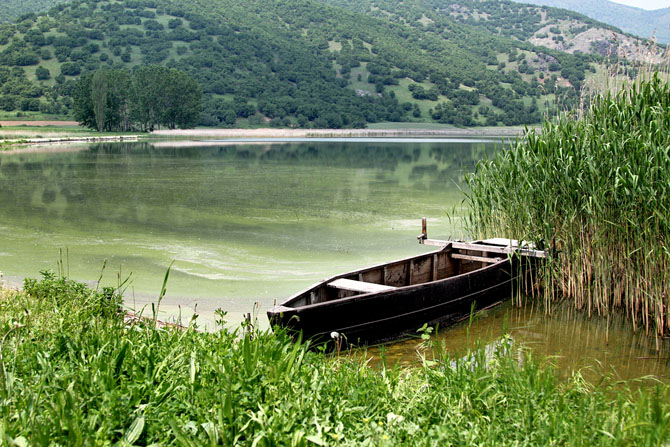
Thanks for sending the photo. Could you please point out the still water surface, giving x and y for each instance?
(245, 222)
(253, 221)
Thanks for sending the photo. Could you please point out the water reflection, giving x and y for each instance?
(244, 222)
(131, 182)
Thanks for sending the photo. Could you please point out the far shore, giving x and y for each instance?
(39, 123)
(339, 133)
(68, 139)
(17, 140)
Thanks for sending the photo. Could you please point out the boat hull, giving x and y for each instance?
(378, 317)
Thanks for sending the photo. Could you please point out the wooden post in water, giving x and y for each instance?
(424, 231)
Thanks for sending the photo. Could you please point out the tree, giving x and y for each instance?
(42, 73)
(182, 100)
(99, 87)
(145, 90)
(82, 104)
(165, 96)
(109, 100)
(109, 95)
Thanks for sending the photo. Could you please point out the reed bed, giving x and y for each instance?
(72, 372)
(596, 190)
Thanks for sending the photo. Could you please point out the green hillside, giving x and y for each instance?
(500, 17)
(292, 62)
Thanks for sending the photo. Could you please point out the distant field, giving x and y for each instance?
(39, 123)
(13, 131)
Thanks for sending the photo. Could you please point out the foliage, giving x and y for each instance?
(113, 100)
(161, 95)
(63, 293)
(74, 376)
(598, 190)
(288, 62)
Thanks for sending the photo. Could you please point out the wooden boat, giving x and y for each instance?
(391, 300)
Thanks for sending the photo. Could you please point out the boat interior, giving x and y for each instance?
(453, 259)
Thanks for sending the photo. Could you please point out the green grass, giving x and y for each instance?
(27, 132)
(597, 191)
(410, 126)
(73, 373)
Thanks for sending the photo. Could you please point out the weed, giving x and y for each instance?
(75, 374)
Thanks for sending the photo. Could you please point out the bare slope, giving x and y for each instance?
(631, 20)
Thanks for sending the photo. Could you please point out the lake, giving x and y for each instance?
(253, 221)
(245, 222)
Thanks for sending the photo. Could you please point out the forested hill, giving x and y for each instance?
(301, 63)
(633, 20)
(10, 10)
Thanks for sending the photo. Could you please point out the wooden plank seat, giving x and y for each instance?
(359, 286)
(476, 258)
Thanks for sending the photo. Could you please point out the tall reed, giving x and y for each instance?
(597, 190)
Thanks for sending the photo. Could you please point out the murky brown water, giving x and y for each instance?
(596, 347)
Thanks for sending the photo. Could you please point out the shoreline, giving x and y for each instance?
(338, 133)
(20, 144)
(70, 139)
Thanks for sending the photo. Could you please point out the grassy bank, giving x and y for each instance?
(11, 132)
(597, 190)
(12, 137)
(72, 372)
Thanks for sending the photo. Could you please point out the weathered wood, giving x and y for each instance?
(434, 242)
(435, 268)
(504, 241)
(476, 258)
(496, 249)
(359, 286)
(371, 316)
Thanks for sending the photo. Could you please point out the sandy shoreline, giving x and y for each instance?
(336, 133)
(44, 143)
(57, 140)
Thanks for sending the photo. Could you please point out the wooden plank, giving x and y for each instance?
(502, 241)
(494, 249)
(476, 258)
(359, 286)
(411, 271)
(435, 267)
(435, 242)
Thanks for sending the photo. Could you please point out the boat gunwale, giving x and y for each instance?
(285, 307)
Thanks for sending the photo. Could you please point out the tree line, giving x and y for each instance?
(151, 96)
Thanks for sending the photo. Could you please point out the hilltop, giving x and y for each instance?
(632, 20)
(13, 9)
(309, 63)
